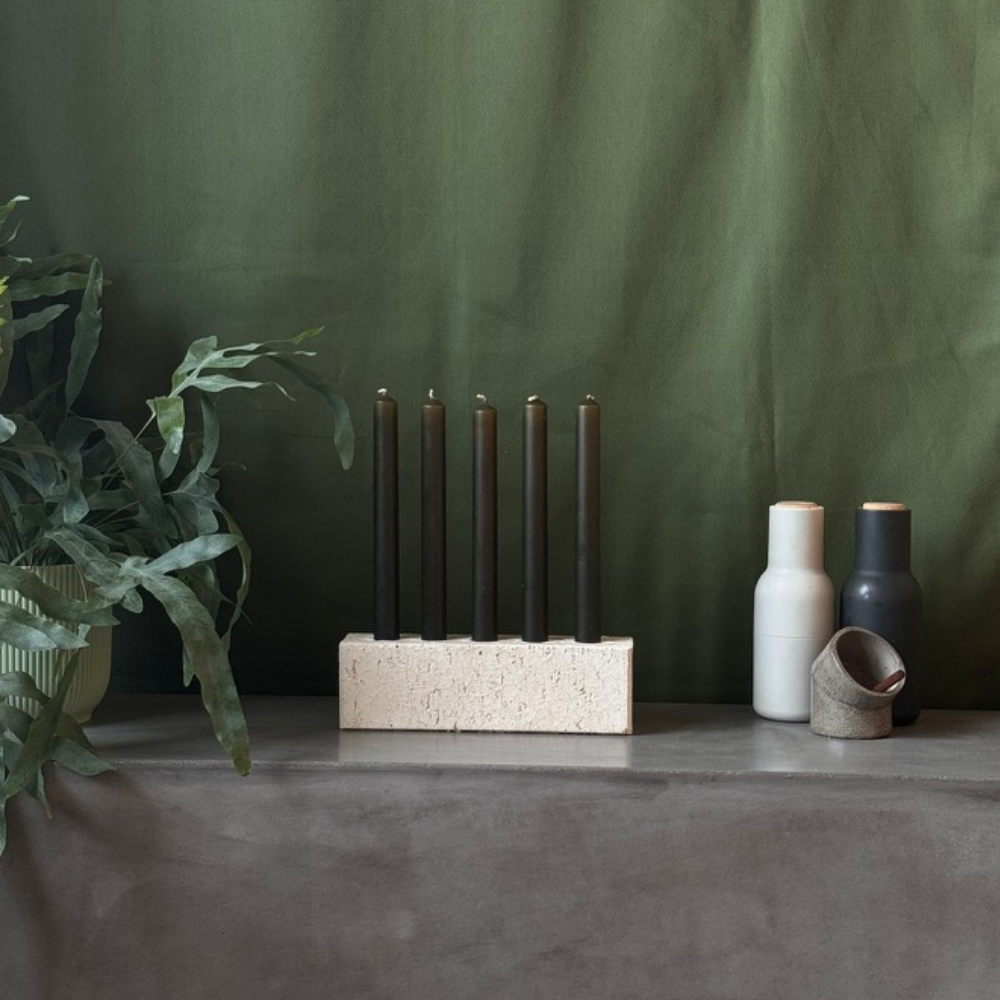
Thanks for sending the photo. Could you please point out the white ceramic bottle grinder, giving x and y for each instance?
(792, 612)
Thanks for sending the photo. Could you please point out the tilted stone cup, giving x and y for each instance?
(843, 702)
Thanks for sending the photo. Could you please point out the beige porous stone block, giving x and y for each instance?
(559, 686)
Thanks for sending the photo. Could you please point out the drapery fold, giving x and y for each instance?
(763, 233)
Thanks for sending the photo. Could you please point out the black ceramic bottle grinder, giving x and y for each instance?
(883, 596)
(386, 518)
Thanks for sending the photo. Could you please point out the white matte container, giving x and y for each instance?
(792, 612)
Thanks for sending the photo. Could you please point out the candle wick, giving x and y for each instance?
(430, 395)
(532, 399)
(383, 392)
(590, 399)
(480, 398)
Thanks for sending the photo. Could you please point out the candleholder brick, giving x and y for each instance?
(559, 686)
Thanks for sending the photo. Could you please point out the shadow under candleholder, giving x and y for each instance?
(456, 684)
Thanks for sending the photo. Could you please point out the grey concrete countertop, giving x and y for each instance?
(711, 855)
(697, 740)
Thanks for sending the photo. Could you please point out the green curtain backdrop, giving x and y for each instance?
(764, 234)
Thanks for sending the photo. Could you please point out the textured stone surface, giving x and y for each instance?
(136, 732)
(712, 856)
(560, 686)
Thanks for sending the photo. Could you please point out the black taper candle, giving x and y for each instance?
(484, 522)
(433, 530)
(535, 527)
(386, 522)
(588, 521)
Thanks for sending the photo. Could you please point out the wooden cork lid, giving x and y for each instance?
(884, 506)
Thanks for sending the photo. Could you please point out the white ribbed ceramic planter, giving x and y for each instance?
(93, 669)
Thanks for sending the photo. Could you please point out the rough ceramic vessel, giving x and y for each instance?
(843, 702)
(93, 668)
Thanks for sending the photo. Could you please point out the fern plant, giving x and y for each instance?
(138, 513)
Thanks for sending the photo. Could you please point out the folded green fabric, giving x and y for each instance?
(764, 234)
